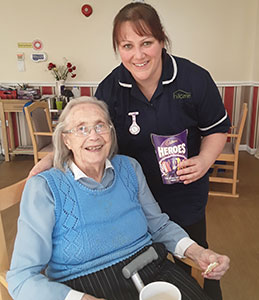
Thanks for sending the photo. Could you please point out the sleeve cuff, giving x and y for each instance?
(74, 295)
(182, 245)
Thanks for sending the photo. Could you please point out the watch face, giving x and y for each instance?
(134, 129)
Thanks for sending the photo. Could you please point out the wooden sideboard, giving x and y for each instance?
(7, 106)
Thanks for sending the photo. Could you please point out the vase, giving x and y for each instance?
(59, 105)
(60, 86)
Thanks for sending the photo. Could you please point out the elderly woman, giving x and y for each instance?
(82, 221)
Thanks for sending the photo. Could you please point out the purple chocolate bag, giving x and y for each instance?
(170, 151)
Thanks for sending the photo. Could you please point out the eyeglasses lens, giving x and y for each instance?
(85, 131)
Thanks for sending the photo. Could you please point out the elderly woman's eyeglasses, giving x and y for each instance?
(100, 128)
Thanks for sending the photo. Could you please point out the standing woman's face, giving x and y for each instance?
(141, 55)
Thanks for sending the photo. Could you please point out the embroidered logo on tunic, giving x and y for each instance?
(181, 95)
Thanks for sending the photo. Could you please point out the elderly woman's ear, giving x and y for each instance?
(66, 142)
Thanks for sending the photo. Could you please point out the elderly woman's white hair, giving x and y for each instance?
(62, 155)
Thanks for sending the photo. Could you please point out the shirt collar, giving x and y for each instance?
(169, 72)
(78, 173)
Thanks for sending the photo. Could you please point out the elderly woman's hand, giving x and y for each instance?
(205, 258)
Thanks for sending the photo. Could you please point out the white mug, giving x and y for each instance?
(160, 290)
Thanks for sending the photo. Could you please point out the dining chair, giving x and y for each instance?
(40, 128)
(225, 168)
(195, 269)
(9, 196)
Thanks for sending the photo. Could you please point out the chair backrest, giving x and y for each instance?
(9, 196)
(240, 127)
(39, 124)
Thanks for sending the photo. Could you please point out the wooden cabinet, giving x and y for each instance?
(7, 106)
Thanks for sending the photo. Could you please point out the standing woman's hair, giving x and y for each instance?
(145, 21)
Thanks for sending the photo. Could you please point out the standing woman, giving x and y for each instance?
(154, 92)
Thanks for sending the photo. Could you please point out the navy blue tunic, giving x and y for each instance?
(186, 98)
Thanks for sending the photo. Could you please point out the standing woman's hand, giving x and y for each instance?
(42, 165)
(195, 167)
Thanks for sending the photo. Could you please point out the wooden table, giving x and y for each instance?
(8, 106)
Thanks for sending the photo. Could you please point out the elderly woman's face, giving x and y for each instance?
(92, 149)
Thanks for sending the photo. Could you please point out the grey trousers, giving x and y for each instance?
(110, 283)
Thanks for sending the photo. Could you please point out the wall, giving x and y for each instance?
(256, 55)
(219, 35)
(222, 36)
